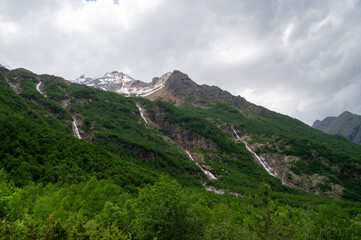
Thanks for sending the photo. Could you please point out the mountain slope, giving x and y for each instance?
(205, 123)
(347, 125)
(36, 146)
(114, 123)
(295, 153)
(108, 185)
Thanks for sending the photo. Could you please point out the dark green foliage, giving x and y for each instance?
(29, 92)
(190, 121)
(236, 168)
(32, 150)
(301, 141)
(54, 90)
(115, 124)
(54, 186)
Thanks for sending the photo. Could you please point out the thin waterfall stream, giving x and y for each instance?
(259, 159)
(208, 173)
(76, 130)
(141, 113)
(38, 88)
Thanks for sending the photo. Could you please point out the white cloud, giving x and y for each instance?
(299, 58)
(286, 34)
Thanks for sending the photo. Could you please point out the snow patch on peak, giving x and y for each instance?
(124, 84)
(127, 78)
(116, 77)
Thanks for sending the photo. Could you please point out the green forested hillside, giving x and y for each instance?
(129, 180)
(319, 153)
(38, 147)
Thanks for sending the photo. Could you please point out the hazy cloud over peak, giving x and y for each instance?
(301, 58)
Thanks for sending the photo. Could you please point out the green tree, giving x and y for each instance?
(226, 224)
(331, 223)
(162, 211)
(269, 220)
(79, 232)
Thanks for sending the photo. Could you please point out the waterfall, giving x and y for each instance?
(76, 130)
(236, 133)
(259, 159)
(141, 113)
(208, 173)
(38, 88)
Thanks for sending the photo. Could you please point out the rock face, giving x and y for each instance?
(282, 166)
(347, 125)
(185, 139)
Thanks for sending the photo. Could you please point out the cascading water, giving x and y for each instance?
(254, 154)
(208, 173)
(141, 113)
(76, 130)
(38, 88)
(236, 133)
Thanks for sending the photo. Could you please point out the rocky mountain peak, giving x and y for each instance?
(174, 86)
(180, 84)
(124, 84)
(347, 113)
(346, 124)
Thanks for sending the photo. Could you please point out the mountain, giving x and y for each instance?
(174, 86)
(287, 147)
(198, 120)
(347, 125)
(80, 162)
(124, 84)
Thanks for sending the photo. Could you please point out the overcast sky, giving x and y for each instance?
(300, 58)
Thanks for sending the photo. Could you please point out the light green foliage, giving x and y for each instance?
(226, 223)
(164, 211)
(331, 223)
(267, 219)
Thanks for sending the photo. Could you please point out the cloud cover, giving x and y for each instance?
(300, 58)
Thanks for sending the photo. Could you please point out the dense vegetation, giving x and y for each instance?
(35, 147)
(128, 180)
(295, 138)
(100, 209)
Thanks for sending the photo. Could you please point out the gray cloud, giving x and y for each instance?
(301, 58)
